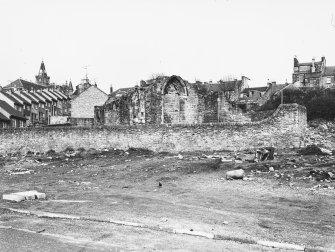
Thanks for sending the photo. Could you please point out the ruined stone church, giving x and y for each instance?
(172, 100)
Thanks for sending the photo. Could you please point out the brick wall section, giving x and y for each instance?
(82, 106)
(284, 129)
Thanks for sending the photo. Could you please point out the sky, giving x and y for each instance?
(124, 41)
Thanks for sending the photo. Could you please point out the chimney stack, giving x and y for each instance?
(295, 62)
(313, 64)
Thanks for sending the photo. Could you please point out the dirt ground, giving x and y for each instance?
(283, 200)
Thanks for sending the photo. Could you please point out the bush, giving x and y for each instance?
(322, 107)
(320, 103)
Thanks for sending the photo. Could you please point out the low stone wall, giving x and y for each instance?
(284, 129)
(58, 119)
(82, 122)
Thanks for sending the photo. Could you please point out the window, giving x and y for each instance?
(328, 80)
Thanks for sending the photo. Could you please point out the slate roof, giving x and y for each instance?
(56, 94)
(224, 86)
(93, 86)
(61, 94)
(50, 97)
(329, 71)
(310, 63)
(3, 118)
(27, 85)
(45, 97)
(36, 97)
(17, 102)
(33, 99)
(50, 94)
(260, 89)
(25, 101)
(13, 112)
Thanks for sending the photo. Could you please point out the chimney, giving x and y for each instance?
(295, 61)
(111, 89)
(313, 64)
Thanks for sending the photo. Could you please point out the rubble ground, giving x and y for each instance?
(289, 199)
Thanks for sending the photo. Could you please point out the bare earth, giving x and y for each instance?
(285, 205)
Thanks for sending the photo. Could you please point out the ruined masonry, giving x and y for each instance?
(172, 100)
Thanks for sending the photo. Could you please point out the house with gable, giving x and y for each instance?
(314, 73)
(83, 101)
(15, 117)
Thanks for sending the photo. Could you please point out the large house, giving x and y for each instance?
(313, 73)
(84, 99)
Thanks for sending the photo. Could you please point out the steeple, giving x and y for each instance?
(42, 77)
(70, 86)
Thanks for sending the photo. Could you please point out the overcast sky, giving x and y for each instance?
(124, 41)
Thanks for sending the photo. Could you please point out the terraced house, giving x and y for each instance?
(10, 117)
(38, 101)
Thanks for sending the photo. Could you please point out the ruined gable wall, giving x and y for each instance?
(196, 105)
(284, 129)
(153, 103)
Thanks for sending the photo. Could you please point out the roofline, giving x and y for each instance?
(86, 90)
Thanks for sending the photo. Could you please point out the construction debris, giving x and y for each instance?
(21, 196)
(264, 154)
(235, 174)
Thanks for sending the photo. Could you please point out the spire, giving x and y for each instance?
(70, 85)
(42, 68)
(42, 77)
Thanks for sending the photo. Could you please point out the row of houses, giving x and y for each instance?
(21, 108)
(24, 103)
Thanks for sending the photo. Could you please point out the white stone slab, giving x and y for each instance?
(13, 197)
(27, 195)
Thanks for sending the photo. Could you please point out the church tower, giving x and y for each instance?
(42, 78)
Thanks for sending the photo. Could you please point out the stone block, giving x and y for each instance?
(13, 197)
(27, 195)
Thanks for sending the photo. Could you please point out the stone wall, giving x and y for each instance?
(58, 119)
(284, 129)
